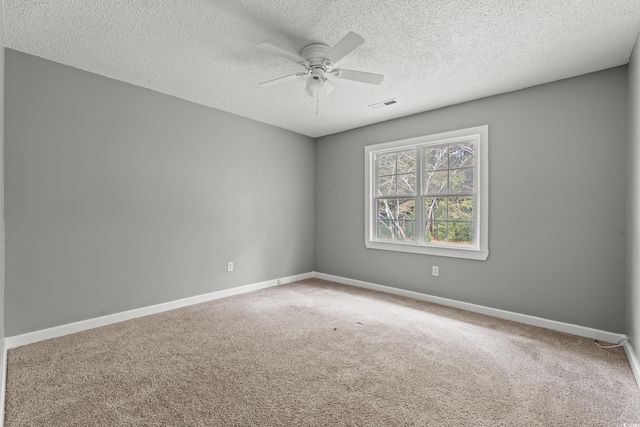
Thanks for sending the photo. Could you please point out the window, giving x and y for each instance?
(429, 194)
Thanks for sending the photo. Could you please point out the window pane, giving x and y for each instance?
(460, 208)
(435, 158)
(436, 232)
(406, 184)
(385, 230)
(387, 208)
(395, 230)
(461, 181)
(435, 208)
(386, 164)
(405, 230)
(406, 162)
(386, 186)
(406, 209)
(403, 209)
(435, 182)
(461, 233)
(461, 155)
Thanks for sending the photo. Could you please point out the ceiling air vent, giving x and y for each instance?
(384, 103)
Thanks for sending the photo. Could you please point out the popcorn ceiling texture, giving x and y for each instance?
(433, 54)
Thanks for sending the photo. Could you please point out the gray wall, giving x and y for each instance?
(633, 216)
(2, 334)
(118, 197)
(557, 185)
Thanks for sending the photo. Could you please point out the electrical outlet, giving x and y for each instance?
(435, 270)
(230, 266)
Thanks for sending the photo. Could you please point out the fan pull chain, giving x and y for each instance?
(317, 102)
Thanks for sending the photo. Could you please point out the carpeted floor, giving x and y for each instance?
(315, 353)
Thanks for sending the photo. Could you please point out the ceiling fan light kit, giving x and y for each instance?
(318, 60)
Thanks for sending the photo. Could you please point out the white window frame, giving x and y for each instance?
(480, 249)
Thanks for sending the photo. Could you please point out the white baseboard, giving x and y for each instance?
(83, 325)
(3, 379)
(569, 328)
(58, 331)
(296, 278)
(70, 328)
(633, 361)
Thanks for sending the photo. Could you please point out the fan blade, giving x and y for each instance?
(358, 76)
(343, 47)
(282, 79)
(275, 50)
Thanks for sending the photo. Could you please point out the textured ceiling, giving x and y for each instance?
(432, 53)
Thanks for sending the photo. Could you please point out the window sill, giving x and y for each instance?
(464, 253)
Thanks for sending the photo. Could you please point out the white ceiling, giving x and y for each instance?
(433, 53)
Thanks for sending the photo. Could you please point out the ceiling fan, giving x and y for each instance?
(318, 61)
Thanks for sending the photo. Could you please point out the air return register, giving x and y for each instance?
(386, 103)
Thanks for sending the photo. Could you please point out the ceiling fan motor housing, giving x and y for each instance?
(315, 53)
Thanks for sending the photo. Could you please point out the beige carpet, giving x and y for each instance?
(320, 354)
